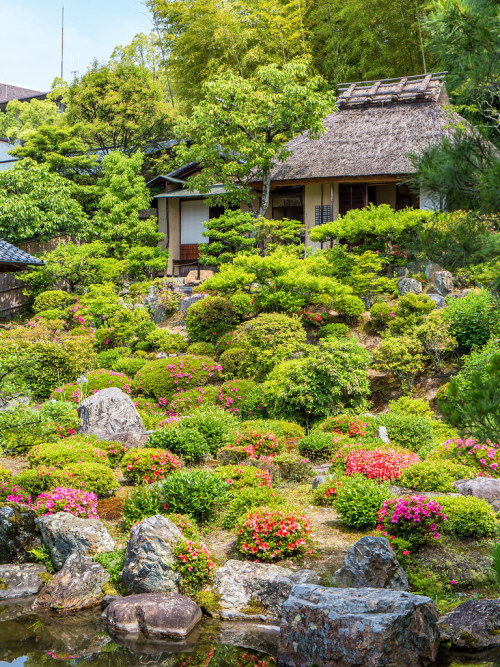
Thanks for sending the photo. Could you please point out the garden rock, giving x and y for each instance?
(153, 614)
(77, 586)
(409, 285)
(110, 414)
(371, 563)
(318, 481)
(158, 313)
(443, 282)
(481, 487)
(18, 534)
(64, 535)
(438, 300)
(430, 269)
(149, 559)
(382, 434)
(20, 581)
(473, 625)
(188, 301)
(256, 590)
(362, 626)
(401, 271)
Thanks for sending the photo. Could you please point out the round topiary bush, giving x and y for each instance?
(92, 477)
(148, 465)
(209, 319)
(414, 519)
(187, 400)
(467, 517)
(187, 443)
(91, 383)
(317, 446)
(259, 442)
(249, 498)
(380, 464)
(434, 475)
(293, 468)
(359, 500)
(407, 431)
(52, 299)
(217, 425)
(60, 454)
(197, 493)
(353, 427)
(234, 395)
(164, 377)
(239, 477)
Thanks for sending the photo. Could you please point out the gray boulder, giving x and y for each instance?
(18, 534)
(430, 269)
(64, 535)
(255, 591)
(318, 481)
(188, 301)
(443, 282)
(481, 487)
(371, 563)
(409, 285)
(438, 300)
(382, 434)
(473, 625)
(343, 627)
(149, 559)
(153, 614)
(158, 313)
(20, 581)
(111, 415)
(77, 586)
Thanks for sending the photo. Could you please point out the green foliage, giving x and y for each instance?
(241, 397)
(472, 404)
(434, 476)
(198, 493)
(240, 477)
(189, 444)
(92, 477)
(402, 357)
(42, 555)
(467, 516)
(191, 399)
(143, 501)
(330, 379)
(293, 468)
(317, 446)
(472, 319)
(36, 203)
(148, 464)
(411, 406)
(128, 365)
(186, 525)
(70, 450)
(216, 425)
(194, 563)
(113, 562)
(495, 554)
(202, 349)
(52, 299)
(404, 430)
(359, 500)
(436, 338)
(249, 498)
(229, 234)
(209, 319)
(91, 383)
(5, 474)
(161, 378)
(165, 341)
(380, 315)
(334, 329)
(264, 341)
(410, 311)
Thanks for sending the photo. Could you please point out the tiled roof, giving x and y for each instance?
(8, 92)
(11, 255)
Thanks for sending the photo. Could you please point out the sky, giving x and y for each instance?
(30, 36)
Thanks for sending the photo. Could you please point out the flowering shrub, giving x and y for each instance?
(259, 443)
(5, 474)
(67, 451)
(381, 314)
(93, 477)
(250, 498)
(197, 493)
(187, 400)
(148, 465)
(194, 563)
(325, 494)
(292, 467)
(12, 493)
(151, 413)
(73, 501)
(234, 394)
(343, 425)
(186, 525)
(317, 319)
(484, 457)
(91, 383)
(187, 443)
(269, 534)
(380, 464)
(164, 377)
(238, 477)
(231, 454)
(415, 519)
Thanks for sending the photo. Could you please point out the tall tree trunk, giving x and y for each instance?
(266, 189)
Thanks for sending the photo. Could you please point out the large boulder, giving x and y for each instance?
(371, 563)
(430, 269)
(342, 627)
(20, 581)
(153, 614)
(438, 300)
(256, 590)
(188, 301)
(481, 487)
(18, 534)
(409, 285)
(443, 282)
(149, 559)
(110, 414)
(473, 625)
(64, 534)
(77, 586)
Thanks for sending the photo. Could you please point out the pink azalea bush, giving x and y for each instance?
(239, 477)
(12, 493)
(148, 465)
(415, 519)
(485, 456)
(380, 464)
(73, 501)
(194, 563)
(259, 443)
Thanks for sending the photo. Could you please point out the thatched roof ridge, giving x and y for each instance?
(370, 139)
(419, 88)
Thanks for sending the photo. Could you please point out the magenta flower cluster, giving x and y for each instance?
(74, 501)
(413, 517)
(482, 455)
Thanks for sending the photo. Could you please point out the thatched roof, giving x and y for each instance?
(376, 126)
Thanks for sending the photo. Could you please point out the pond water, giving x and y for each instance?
(41, 639)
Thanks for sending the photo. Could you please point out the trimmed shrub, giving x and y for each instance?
(413, 519)
(234, 394)
(188, 400)
(249, 498)
(232, 455)
(359, 500)
(325, 494)
(417, 407)
(209, 319)
(467, 517)
(280, 427)
(52, 299)
(406, 431)
(353, 427)
(202, 349)
(67, 451)
(317, 446)
(259, 443)
(92, 477)
(334, 330)
(472, 319)
(435, 476)
(186, 525)
(187, 443)
(293, 468)
(128, 365)
(239, 477)
(380, 464)
(91, 384)
(269, 534)
(381, 314)
(143, 501)
(218, 427)
(197, 493)
(148, 465)
(73, 501)
(165, 341)
(164, 377)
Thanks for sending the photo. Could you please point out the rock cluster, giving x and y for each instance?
(371, 563)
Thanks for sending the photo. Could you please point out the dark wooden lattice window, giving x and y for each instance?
(352, 196)
(322, 214)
